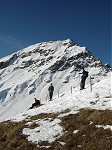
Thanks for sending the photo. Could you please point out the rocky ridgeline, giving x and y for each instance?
(64, 61)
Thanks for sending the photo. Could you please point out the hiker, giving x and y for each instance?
(51, 90)
(37, 103)
(83, 78)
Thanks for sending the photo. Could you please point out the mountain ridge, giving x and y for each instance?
(28, 72)
(74, 119)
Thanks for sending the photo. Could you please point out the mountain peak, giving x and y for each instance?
(29, 71)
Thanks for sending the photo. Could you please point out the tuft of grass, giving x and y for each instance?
(102, 117)
(33, 125)
(43, 116)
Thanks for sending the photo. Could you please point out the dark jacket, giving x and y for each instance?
(84, 74)
(51, 89)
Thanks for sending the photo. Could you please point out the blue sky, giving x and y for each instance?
(26, 22)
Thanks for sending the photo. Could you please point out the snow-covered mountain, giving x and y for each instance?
(27, 74)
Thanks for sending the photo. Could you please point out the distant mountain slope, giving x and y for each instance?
(27, 73)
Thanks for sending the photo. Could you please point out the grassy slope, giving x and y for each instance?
(89, 137)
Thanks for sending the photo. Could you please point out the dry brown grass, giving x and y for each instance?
(11, 137)
(89, 136)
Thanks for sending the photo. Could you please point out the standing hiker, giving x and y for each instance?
(83, 78)
(51, 90)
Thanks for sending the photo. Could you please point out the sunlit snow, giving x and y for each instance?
(29, 76)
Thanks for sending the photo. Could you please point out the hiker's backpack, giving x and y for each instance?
(85, 73)
(51, 89)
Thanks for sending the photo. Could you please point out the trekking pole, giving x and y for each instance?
(46, 97)
(79, 82)
(35, 111)
(58, 93)
(71, 89)
(90, 84)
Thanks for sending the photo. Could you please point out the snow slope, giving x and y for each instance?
(27, 74)
(49, 129)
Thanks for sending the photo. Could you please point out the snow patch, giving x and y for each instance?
(48, 130)
(105, 127)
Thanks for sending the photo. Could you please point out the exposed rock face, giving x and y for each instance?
(48, 51)
(4, 64)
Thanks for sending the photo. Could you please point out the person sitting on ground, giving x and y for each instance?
(37, 103)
